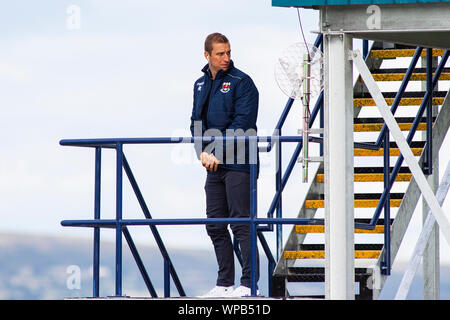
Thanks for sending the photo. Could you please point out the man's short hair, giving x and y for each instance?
(214, 38)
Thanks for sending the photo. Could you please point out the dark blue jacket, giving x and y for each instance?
(231, 100)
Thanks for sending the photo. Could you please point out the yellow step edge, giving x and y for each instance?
(320, 254)
(394, 152)
(370, 177)
(321, 229)
(369, 102)
(400, 76)
(359, 203)
(374, 127)
(394, 53)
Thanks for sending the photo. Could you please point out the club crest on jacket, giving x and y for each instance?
(225, 87)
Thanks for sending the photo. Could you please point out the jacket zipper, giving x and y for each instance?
(209, 99)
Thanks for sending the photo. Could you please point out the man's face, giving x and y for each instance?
(219, 59)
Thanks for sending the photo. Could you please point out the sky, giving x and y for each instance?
(108, 69)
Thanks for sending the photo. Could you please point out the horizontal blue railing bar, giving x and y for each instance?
(112, 142)
(112, 223)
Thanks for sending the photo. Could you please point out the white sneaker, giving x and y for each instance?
(243, 291)
(218, 292)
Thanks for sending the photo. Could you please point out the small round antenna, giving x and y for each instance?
(299, 74)
(290, 71)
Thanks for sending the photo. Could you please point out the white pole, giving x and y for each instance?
(431, 258)
(339, 193)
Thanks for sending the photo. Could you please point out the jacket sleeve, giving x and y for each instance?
(197, 128)
(245, 106)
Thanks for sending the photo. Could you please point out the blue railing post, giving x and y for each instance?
(119, 184)
(166, 278)
(253, 144)
(365, 48)
(271, 261)
(278, 182)
(428, 163)
(96, 253)
(386, 265)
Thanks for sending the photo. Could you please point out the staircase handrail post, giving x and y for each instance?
(253, 145)
(386, 265)
(96, 245)
(428, 163)
(118, 227)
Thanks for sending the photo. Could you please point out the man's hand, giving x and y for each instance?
(209, 161)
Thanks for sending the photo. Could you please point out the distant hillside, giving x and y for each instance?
(41, 267)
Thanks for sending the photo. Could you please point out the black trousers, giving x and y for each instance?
(228, 196)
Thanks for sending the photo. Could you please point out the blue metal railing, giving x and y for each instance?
(120, 224)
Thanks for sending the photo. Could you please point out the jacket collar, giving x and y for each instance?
(219, 74)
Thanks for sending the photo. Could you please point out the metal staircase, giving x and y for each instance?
(303, 256)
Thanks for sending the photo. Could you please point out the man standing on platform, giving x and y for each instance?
(226, 101)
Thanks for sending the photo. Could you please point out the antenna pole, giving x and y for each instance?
(306, 112)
